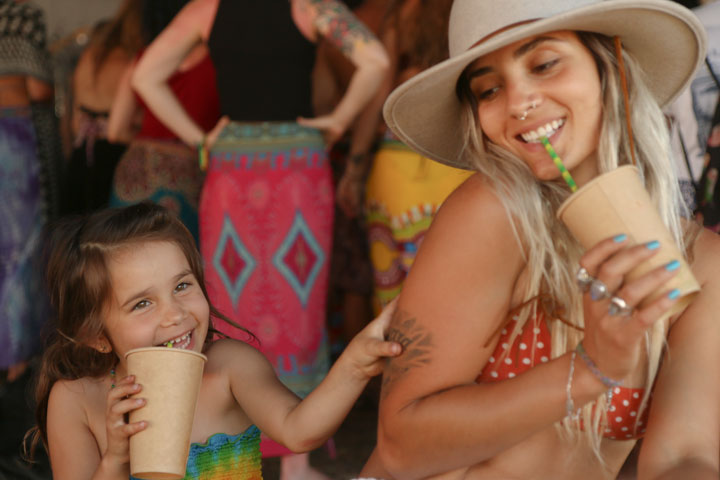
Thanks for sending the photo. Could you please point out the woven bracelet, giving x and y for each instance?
(607, 381)
(203, 154)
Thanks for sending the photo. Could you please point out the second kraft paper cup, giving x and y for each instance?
(170, 379)
(615, 203)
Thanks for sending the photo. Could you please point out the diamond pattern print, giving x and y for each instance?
(299, 258)
(232, 261)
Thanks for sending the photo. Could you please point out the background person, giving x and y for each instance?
(95, 81)
(158, 166)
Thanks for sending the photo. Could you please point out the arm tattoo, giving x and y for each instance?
(416, 342)
(340, 27)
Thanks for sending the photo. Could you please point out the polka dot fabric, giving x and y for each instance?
(623, 421)
(532, 347)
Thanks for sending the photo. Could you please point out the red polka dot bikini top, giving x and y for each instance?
(532, 347)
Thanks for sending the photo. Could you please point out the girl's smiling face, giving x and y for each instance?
(546, 85)
(155, 299)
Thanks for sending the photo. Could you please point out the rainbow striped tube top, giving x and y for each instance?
(225, 457)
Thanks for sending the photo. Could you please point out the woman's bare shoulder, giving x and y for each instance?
(469, 248)
(472, 212)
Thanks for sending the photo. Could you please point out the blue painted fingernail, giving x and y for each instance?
(620, 238)
(675, 293)
(674, 265)
(654, 245)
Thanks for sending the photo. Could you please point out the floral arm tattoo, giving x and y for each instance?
(340, 27)
(416, 342)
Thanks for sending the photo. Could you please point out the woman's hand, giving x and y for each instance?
(213, 134)
(118, 430)
(367, 351)
(614, 342)
(332, 127)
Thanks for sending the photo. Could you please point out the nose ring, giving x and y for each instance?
(533, 105)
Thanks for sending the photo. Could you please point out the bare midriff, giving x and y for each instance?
(547, 455)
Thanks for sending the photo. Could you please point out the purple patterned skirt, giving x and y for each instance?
(23, 305)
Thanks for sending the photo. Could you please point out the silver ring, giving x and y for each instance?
(598, 290)
(618, 306)
(583, 279)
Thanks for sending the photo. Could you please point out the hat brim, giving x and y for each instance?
(667, 40)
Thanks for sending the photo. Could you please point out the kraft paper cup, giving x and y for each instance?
(617, 202)
(170, 379)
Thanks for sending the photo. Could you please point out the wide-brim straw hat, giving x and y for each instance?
(425, 112)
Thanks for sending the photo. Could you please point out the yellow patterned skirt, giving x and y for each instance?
(404, 191)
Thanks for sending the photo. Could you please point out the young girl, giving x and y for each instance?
(127, 278)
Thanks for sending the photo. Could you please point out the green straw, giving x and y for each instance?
(559, 164)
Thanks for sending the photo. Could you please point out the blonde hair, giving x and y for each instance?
(550, 251)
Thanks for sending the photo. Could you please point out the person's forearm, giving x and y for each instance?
(119, 131)
(466, 425)
(362, 139)
(165, 106)
(322, 412)
(363, 85)
(364, 132)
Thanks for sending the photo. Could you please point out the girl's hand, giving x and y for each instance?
(367, 350)
(118, 430)
(615, 342)
(331, 127)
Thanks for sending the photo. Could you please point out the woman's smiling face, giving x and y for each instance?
(545, 85)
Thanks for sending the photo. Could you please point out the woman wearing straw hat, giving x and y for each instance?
(526, 355)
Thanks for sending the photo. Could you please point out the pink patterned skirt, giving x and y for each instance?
(266, 213)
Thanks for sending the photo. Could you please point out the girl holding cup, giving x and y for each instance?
(131, 278)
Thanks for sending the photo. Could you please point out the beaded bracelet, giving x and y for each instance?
(203, 154)
(569, 404)
(607, 381)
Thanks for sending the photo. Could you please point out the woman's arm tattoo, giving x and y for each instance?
(340, 27)
(416, 342)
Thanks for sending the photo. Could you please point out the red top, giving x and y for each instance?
(532, 347)
(196, 90)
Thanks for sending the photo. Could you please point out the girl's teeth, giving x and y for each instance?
(180, 342)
